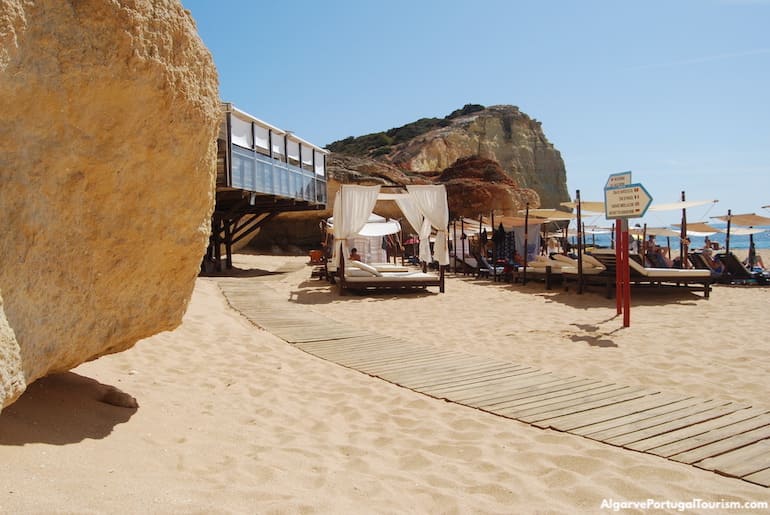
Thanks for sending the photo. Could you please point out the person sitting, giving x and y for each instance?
(354, 255)
(659, 260)
(650, 249)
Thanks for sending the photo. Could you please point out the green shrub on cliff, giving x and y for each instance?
(380, 143)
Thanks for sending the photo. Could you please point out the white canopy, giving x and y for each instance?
(586, 206)
(424, 206)
(375, 226)
(748, 219)
(744, 231)
(686, 204)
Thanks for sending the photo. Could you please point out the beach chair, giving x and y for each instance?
(651, 277)
(319, 263)
(736, 273)
(467, 266)
(487, 270)
(595, 271)
(699, 261)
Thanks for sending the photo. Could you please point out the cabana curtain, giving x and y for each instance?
(415, 218)
(432, 202)
(352, 207)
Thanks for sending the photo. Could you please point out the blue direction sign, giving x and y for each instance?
(618, 180)
(629, 201)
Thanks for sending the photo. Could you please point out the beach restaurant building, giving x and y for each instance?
(261, 171)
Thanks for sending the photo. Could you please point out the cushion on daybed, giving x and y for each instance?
(363, 266)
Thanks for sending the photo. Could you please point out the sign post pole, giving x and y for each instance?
(618, 267)
(626, 277)
(624, 200)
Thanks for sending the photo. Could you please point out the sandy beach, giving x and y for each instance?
(231, 419)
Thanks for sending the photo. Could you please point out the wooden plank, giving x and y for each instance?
(724, 445)
(750, 423)
(575, 405)
(605, 400)
(627, 440)
(522, 388)
(349, 343)
(354, 341)
(495, 370)
(448, 378)
(761, 478)
(607, 413)
(460, 392)
(418, 379)
(725, 424)
(534, 399)
(740, 462)
(503, 380)
(560, 384)
(466, 393)
(357, 349)
(397, 360)
(530, 378)
(366, 351)
(698, 406)
(437, 360)
(570, 399)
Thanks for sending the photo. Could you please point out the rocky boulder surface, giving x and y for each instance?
(499, 133)
(476, 185)
(108, 122)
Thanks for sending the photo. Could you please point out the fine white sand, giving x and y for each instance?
(232, 419)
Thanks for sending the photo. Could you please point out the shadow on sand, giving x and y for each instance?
(63, 409)
(317, 291)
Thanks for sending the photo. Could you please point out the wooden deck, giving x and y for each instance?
(729, 438)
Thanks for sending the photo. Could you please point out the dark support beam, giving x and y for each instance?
(228, 243)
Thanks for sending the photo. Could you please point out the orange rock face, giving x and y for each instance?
(108, 121)
(476, 185)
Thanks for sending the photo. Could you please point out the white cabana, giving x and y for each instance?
(369, 240)
(424, 206)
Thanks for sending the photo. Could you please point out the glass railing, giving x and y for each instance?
(253, 171)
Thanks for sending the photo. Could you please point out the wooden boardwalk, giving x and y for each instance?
(729, 438)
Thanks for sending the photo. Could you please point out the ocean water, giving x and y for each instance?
(761, 240)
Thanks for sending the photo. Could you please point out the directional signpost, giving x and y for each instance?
(623, 200)
(629, 201)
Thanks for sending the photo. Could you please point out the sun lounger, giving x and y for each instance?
(487, 270)
(737, 273)
(701, 262)
(318, 262)
(467, 266)
(641, 276)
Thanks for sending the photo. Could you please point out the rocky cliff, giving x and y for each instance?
(490, 158)
(108, 120)
(499, 133)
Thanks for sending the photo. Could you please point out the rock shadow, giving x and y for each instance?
(62, 409)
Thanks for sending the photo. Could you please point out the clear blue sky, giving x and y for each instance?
(677, 91)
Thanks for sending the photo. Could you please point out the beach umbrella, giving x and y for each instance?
(749, 220)
(553, 215)
(586, 206)
(683, 204)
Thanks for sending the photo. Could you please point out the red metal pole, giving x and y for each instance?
(618, 268)
(626, 279)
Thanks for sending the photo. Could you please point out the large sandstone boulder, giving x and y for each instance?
(11, 376)
(108, 120)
